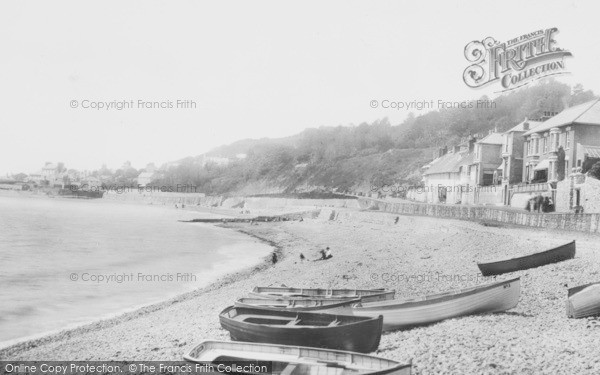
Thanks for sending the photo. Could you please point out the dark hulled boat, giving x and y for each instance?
(360, 334)
(558, 254)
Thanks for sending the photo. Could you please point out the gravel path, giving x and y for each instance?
(419, 255)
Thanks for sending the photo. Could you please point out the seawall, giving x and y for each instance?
(567, 221)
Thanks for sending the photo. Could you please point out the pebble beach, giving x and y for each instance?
(415, 256)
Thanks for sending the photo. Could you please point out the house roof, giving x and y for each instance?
(492, 139)
(449, 163)
(586, 113)
(521, 128)
(591, 151)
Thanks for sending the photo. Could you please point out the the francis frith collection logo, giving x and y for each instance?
(516, 62)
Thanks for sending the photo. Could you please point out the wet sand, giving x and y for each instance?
(418, 255)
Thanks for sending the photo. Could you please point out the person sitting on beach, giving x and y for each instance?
(302, 257)
(397, 218)
(274, 258)
(326, 254)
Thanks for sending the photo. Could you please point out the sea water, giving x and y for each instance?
(65, 262)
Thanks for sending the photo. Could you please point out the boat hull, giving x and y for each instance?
(406, 314)
(584, 301)
(301, 304)
(558, 254)
(366, 295)
(361, 335)
(296, 359)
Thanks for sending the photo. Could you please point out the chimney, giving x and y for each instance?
(548, 114)
(442, 151)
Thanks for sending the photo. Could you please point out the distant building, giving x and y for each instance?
(563, 144)
(148, 175)
(449, 178)
(561, 150)
(487, 159)
(512, 156)
(145, 178)
(51, 175)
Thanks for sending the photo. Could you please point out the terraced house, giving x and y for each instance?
(549, 157)
(563, 148)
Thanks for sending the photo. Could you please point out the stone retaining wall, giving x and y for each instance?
(567, 221)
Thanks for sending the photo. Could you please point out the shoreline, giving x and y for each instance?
(141, 310)
(371, 251)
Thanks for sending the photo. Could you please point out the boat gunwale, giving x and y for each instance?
(397, 366)
(375, 290)
(338, 304)
(461, 293)
(576, 289)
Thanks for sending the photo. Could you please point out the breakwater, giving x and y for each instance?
(565, 221)
(262, 218)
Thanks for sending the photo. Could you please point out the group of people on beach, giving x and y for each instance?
(325, 255)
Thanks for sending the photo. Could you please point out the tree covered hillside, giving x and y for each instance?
(351, 158)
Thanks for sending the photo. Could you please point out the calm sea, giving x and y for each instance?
(66, 262)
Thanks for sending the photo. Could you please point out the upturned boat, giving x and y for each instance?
(291, 360)
(584, 300)
(555, 255)
(401, 314)
(296, 304)
(360, 334)
(366, 295)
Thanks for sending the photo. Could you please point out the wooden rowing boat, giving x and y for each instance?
(401, 314)
(367, 295)
(296, 304)
(584, 300)
(293, 360)
(360, 334)
(558, 254)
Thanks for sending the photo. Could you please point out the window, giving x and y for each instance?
(545, 145)
(566, 168)
(536, 147)
(561, 139)
(568, 139)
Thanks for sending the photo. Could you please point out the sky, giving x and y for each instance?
(253, 69)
